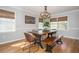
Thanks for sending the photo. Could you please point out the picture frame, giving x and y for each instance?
(29, 20)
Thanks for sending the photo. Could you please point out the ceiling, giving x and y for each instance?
(51, 9)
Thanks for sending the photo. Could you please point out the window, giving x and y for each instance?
(7, 21)
(7, 25)
(62, 23)
(40, 25)
(53, 25)
(59, 23)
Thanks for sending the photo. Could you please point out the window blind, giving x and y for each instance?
(7, 14)
(53, 20)
(64, 18)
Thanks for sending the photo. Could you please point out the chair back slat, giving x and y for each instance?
(29, 37)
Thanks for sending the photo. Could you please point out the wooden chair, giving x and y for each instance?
(31, 39)
(51, 44)
(59, 40)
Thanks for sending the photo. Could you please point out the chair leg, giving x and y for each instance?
(29, 48)
(37, 48)
(40, 45)
(24, 46)
(23, 49)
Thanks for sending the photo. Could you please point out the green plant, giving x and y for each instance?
(46, 24)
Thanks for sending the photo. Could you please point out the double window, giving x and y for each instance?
(59, 23)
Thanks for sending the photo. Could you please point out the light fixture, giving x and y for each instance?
(44, 14)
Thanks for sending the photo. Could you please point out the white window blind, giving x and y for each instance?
(7, 21)
(62, 23)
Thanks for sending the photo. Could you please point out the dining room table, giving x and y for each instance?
(49, 43)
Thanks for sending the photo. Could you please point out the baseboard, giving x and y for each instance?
(10, 42)
(72, 37)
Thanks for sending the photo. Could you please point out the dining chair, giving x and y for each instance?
(59, 40)
(31, 39)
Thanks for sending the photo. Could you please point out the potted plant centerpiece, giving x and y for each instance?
(46, 26)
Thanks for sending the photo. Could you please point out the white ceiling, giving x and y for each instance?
(51, 9)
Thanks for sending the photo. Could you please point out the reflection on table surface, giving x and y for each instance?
(43, 32)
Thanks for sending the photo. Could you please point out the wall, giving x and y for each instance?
(73, 24)
(21, 27)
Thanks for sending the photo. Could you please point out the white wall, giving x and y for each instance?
(21, 27)
(73, 24)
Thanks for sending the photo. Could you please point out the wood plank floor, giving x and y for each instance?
(68, 46)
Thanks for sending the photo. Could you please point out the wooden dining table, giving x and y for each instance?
(49, 43)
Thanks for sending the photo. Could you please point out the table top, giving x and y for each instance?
(42, 32)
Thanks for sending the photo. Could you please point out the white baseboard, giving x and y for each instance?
(76, 38)
(11, 41)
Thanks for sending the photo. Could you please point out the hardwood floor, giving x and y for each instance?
(69, 46)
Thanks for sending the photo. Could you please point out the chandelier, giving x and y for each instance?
(44, 14)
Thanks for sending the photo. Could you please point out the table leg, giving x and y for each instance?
(49, 48)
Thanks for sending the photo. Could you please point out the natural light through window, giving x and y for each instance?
(40, 25)
(53, 25)
(7, 25)
(59, 23)
(62, 25)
